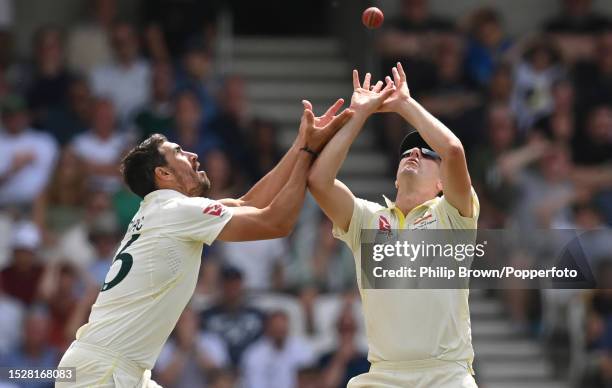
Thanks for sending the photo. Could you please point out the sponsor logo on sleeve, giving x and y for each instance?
(213, 210)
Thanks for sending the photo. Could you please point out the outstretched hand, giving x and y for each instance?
(369, 99)
(401, 93)
(315, 132)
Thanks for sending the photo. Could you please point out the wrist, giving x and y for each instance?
(407, 108)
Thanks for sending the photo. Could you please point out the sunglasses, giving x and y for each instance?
(427, 154)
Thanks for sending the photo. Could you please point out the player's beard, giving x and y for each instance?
(195, 184)
(204, 184)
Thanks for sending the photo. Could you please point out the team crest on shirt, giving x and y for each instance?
(383, 224)
(213, 210)
(384, 227)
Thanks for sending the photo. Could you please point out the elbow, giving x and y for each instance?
(454, 150)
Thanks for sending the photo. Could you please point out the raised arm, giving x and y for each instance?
(264, 191)
(278, 218)
(455, 177)
(334, 198)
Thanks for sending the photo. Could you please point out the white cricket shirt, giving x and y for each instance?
(153, 275)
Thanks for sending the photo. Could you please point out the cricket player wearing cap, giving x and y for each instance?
(156, 268)
(417, 338)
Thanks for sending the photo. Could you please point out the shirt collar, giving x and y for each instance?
(162, 194)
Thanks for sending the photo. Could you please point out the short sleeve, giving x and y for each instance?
(362, 210)
(197, 219)
(457, 221)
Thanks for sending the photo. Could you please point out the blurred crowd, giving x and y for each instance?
(534, 113)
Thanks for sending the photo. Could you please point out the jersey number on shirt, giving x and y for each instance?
(126, 264)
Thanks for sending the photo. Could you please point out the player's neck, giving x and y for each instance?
(408, 200)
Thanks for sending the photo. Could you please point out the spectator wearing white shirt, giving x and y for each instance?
(274, 360)
(126, 81)
(261, 262)
(27, 157)
(88, 43)
(189, 356)
(102, 147)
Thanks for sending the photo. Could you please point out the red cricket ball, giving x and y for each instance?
(372, 18)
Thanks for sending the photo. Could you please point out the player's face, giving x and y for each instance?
(184, 167)
(418, 167)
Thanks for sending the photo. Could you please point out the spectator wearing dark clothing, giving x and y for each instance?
(593, 79)
(577, 17)
(156, 117)
(411, 38)
(66, 121)
(51, 79)
(238, 324)
(346, 360)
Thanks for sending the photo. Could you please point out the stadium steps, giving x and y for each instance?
(505, 358)
(280, 72)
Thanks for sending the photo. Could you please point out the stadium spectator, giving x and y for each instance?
(487, 45)
(410, 38)
(499, 89)
(451, 96)
(534, 77)
(104, 236)
(577, 17)
(68, 120)
(182, 21)
(223, 378)
(228, 180)
(264, 148)
(237, 323)
(51, 78)
(58, 290)
(594, 147)
(75, 244)
(492, 175)
(230, 124)
(346, 360)
(188, 129)
(331, 267)
(156, 117)
(11, 317)
(275, 359)
(125, 81)
(261, 262)
(560, 125)
(27, 157)
(593, 78)
(196, 75)
(88, 43)
(574, 28)
(21, 279)
(190, 356)
(36, 352)
(102, 146)
(61, 205)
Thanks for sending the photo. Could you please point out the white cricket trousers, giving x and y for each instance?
(415, 374)
(100, 367)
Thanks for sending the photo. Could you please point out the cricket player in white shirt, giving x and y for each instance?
(155, 270)
(417, 338)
